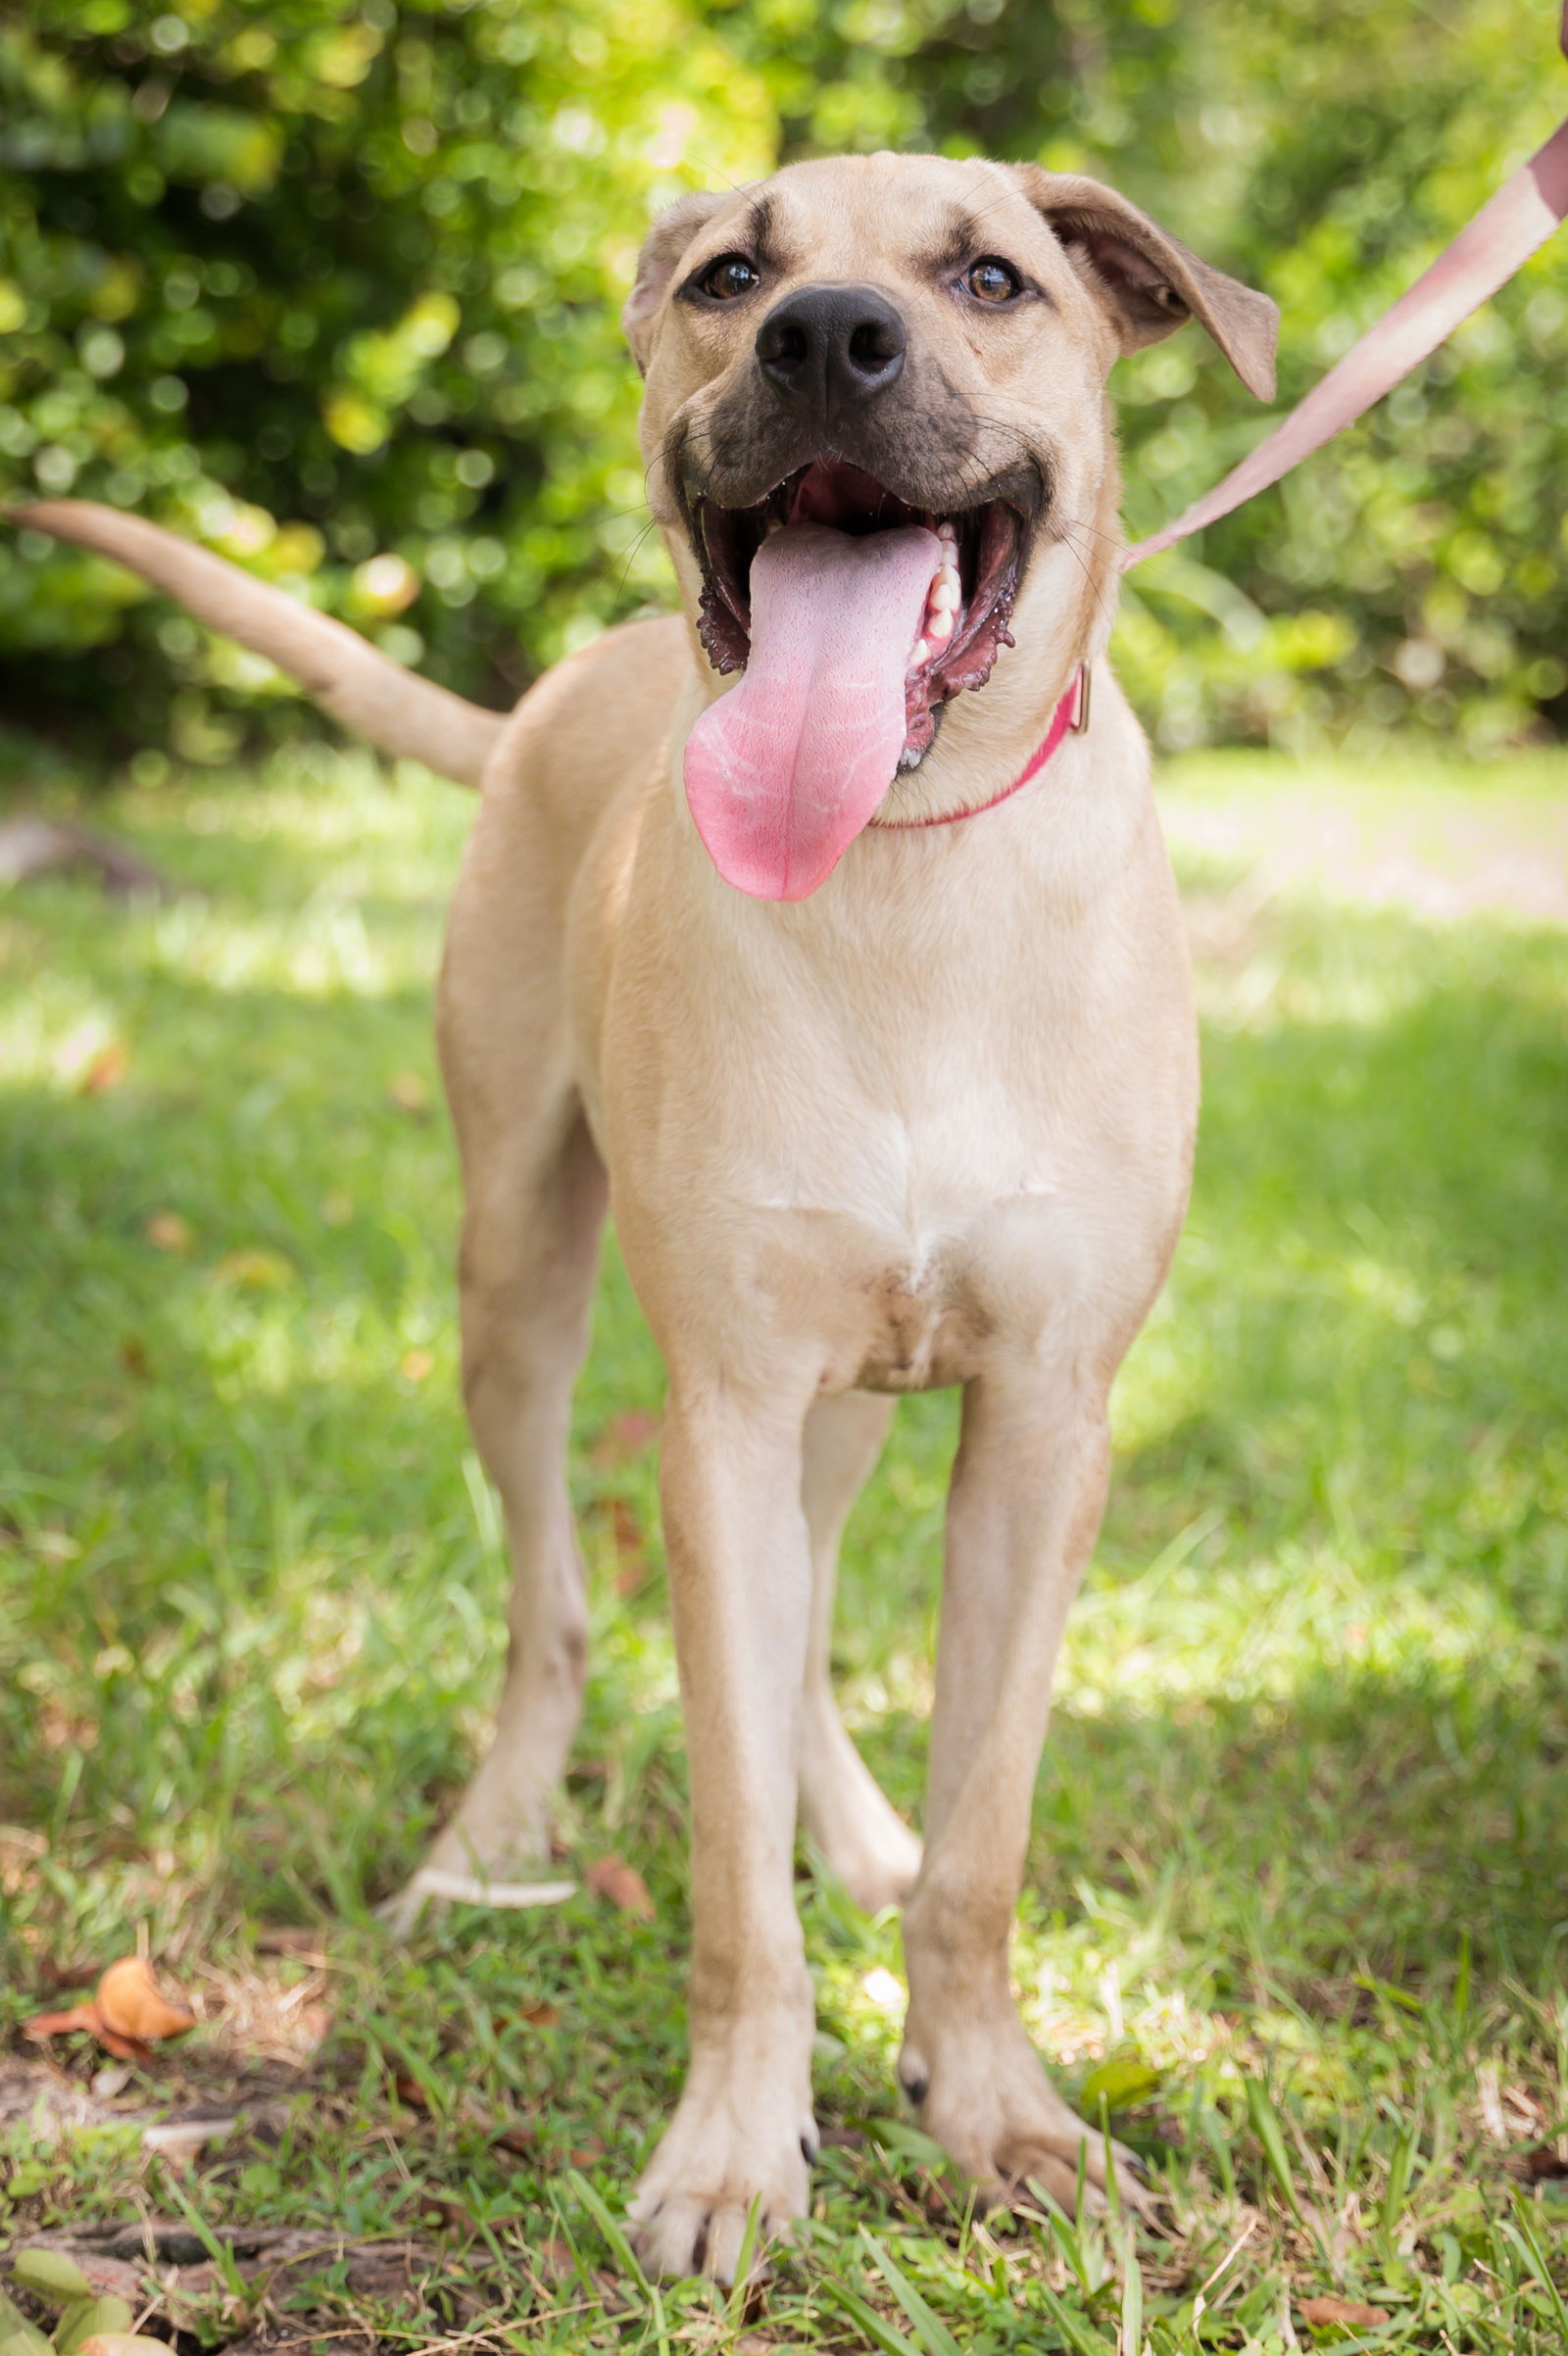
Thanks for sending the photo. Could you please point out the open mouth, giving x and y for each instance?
(853, 617)
(963, 620)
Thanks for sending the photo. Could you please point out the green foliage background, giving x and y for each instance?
(332, 284)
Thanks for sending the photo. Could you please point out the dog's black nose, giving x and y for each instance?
(829, 347)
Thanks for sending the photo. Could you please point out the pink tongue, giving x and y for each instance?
(783, 772)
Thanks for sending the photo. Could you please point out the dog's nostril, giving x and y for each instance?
(782, 345)
(872, 345)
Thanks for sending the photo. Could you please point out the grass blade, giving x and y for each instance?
(613, 2232)
(1132, 2299)
(741, 2290)
(931, 2333)
(1266, 2127)
(1074, 2329)
(881, 2335)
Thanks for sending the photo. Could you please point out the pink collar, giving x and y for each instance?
(1071, 714)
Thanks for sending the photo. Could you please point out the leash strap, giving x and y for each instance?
(1485, 256)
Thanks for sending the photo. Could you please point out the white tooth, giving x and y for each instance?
(774, 523)
(949, 532)
(940, 627)
(946, 597)
(919, 653)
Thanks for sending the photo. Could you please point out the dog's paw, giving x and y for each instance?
(725, 2153)
(979, 2088)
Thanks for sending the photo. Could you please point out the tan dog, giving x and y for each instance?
(896, 1104)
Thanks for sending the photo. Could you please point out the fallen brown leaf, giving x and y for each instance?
(519, 2138)
(1541, 2167)
(60, 2024)
(410, 2091)
(126, 2013)
(632, 1547)
(87, 2016)
(166, 1231)
(1341, 2311)
(107, 1069)
(622, 1885)
(623, 1438)
(131, 2003)
(542, 2015)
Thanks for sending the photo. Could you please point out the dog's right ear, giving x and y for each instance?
(662, 248)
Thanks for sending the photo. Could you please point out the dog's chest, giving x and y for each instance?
(913, 1241)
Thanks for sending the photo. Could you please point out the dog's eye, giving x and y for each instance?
(730, 275)
(991, 281)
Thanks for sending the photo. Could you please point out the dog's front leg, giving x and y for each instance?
(740, 1583)
(1028, 1491)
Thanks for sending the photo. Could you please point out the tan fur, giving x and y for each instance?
(371, 695)
(931, 1125)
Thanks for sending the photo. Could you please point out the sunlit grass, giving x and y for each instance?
(1297, 1884)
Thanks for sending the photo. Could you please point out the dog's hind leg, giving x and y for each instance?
(535, 1201)
(871, 1847)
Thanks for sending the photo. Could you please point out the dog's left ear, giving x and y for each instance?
(662, 248)
(1147, 279)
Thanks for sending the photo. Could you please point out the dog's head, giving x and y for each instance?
(874, 389)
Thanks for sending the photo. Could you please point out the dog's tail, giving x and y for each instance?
(373, 696)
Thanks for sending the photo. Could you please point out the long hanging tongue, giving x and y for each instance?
(784, 771)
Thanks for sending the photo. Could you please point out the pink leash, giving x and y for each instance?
(1485, 256)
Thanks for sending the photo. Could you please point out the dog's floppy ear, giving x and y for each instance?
(662, 248)
(1147, 279)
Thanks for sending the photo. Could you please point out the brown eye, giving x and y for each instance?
(991, 281)
(730, 275)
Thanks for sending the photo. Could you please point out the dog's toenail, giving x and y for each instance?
(914, 2082)
(700, 2246)
(808, 2148)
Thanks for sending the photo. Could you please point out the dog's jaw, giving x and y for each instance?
(965, 622)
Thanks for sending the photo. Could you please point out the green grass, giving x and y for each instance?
(1297, 1894)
